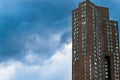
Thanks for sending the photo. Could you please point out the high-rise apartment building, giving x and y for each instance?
(95, 39)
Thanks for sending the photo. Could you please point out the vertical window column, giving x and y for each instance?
(116, 54)
(75, 18)
(107, 68)
(83, 17)
(109, 37)
(90, 61)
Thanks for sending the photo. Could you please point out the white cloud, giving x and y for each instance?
(58, 67)
(7, 69)
(31, 58)
(35, 41)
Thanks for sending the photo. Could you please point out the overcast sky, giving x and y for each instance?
(35, 37)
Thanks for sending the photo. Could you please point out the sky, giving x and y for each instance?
(35, 38)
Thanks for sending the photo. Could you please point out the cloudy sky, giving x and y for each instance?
(35, 38)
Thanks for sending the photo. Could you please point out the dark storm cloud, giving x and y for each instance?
(20, 19)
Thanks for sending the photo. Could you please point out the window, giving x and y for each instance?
(115, 24)
(84, 22)
(84, 12)
(116, 34)
(95, 63)
(84, 4)
(83, 15)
